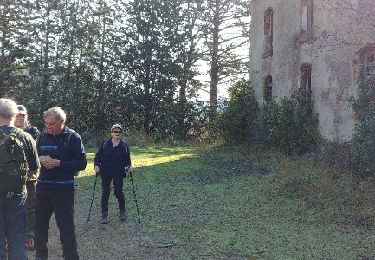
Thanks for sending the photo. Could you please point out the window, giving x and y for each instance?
(364, 63)
(268, 33)
(306, 20)
(306, 81)
(369, 66)
(268, 88)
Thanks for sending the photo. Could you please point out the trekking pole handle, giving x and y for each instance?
(129, 172)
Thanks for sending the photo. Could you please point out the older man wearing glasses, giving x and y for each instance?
(62, 155)
(111, 162)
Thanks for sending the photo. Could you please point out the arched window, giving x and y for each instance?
(306, 81)
(364, 63)
(268, 33)
(369, 66)
(267, 82)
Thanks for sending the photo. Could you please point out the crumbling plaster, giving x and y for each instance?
(331, 50)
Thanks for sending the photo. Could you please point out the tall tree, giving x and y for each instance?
(13, 45)
(154, 44)
(192, 31)
(222, 20)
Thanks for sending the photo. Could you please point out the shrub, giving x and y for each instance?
(364, 133)
(237, 121)
(289, 125)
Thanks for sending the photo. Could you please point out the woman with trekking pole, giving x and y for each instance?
(111, 163)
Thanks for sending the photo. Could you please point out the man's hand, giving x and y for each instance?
(97, 170)
(48, 162)
(130, 170)
(33, 175)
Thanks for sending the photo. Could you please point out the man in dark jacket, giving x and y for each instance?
(22, 122)
(12, 204)
(62, 155)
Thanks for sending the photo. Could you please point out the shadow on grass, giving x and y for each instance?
(171, 200)
(212, 205)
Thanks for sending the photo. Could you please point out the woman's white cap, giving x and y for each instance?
(116, 126)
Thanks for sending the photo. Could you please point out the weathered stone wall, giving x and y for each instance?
(338, 33)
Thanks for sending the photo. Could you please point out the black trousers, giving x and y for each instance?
(61, 202)
(118, 191)
(30, 209)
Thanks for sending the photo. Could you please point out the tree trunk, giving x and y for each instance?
(46, 76)
(214, 70)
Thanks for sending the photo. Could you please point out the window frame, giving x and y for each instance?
(267, 88)
(306, 81)
(268, 33)
(306, 34)
(369, 64)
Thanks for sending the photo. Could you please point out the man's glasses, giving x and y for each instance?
(51, 124)
(117, 132)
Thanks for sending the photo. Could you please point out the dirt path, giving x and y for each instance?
(115, 240)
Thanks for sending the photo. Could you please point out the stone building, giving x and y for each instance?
(324, 47)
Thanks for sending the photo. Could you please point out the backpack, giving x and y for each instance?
(13, 163)
(33, 131)
(105, 145)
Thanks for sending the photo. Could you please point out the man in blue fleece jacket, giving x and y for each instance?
(61, 155)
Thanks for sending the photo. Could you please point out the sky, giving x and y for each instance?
(203, 67)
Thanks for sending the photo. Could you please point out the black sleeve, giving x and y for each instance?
(30, 152)
(99, 155)
(128, 161)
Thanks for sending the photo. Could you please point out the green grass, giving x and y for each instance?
(225, 202)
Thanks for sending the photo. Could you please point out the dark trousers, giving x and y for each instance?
(61, 202)
(30, 209)
(12, 226)
(118, 191)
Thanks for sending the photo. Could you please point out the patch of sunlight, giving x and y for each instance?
(145, 157)
(150, 161)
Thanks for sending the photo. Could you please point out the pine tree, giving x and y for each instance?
(219, 21)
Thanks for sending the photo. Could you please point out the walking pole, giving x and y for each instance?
(139, 220)
(92, 200)
(135, 197)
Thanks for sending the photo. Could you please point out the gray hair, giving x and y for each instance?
(56, 112)
(8, 108)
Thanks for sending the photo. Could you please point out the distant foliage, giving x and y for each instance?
(289, 125)
(237, 122)
(364, 134)
(130, 62)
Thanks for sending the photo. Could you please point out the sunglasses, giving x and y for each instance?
(117, 132)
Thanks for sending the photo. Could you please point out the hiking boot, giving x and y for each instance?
(104, 219)
(122, 216)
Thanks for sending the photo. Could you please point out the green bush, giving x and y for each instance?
(289, 125)
(236, 122)
(364, 133)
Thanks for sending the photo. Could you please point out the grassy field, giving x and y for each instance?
(209, 203)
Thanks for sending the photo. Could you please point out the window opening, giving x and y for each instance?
(370, 63)
(268, 88)
(306, 81)
(268, 33)
(306, 19)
